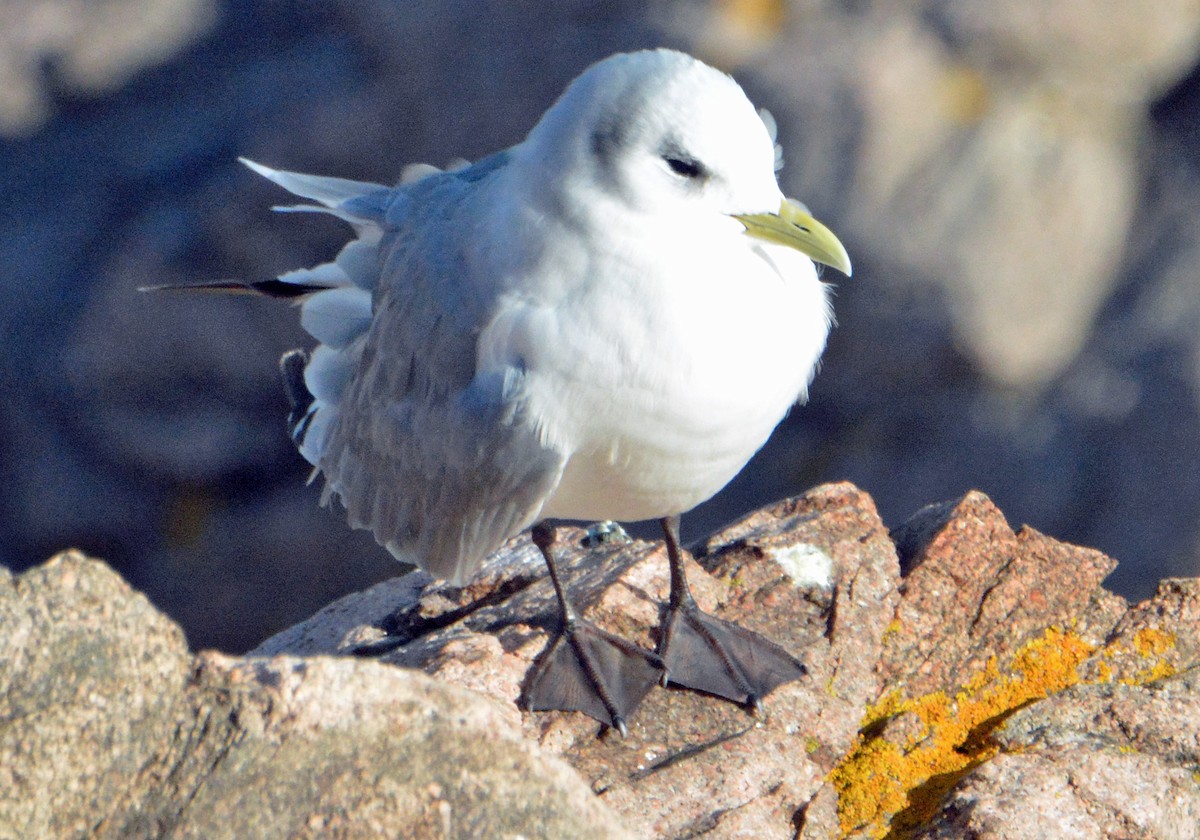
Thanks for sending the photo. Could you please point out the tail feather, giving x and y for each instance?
(360, 259)
(324, 276)
(328, 372)
(335, 298)
(336, 301)
(337, 316)
(342, 213)
(330, 192)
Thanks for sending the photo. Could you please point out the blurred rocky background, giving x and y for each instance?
(1017, 181)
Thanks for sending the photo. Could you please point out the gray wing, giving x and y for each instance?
(441, 461)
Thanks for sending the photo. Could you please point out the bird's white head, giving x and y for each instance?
(659, 128)
(667, 136)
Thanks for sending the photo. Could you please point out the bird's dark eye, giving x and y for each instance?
(685, 167)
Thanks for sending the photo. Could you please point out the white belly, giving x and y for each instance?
(644, 476)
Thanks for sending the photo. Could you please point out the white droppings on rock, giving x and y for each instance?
(805, 564)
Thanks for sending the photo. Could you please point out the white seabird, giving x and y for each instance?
(605, 321)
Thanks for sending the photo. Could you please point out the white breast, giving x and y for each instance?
(673, 383)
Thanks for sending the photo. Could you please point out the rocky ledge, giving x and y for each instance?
(964, 680)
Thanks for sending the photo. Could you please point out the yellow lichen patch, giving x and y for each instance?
(1160, 670)
(887, 789)
(1150, 641)
(888, 705)
(1147, 643)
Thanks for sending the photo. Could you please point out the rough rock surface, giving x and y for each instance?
(91, 687)
(110, 727)
(1074, 756)
(954, 615)
(817, 574)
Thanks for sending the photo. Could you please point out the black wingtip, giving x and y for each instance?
(274, 288)
(228, 287)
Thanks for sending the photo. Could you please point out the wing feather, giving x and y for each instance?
(440, 460)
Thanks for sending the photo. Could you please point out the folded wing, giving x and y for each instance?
(440, 460)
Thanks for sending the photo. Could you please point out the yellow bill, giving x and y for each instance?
(795, 227)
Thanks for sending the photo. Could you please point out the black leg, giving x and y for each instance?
(586, 669)
(703, 652)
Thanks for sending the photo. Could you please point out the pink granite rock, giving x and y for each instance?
(395, 710)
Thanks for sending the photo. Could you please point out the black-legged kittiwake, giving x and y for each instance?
(605, 321)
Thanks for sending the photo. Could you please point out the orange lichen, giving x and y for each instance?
(1160, 670)
(888, 786)
(1150, 641)
(887, 789)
